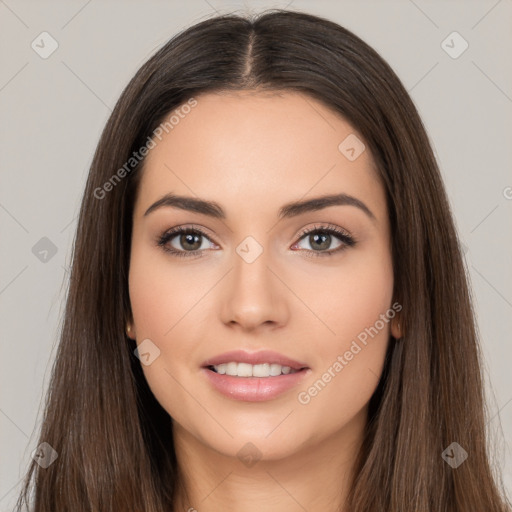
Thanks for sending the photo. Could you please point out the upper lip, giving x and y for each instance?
(264, 356)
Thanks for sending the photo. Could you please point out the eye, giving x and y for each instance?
(320, 238)
(183, 241)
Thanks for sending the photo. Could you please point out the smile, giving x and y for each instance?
(252, 370)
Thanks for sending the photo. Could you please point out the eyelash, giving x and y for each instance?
(345, 238)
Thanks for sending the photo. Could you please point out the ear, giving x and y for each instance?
(130, 330)
(397, 328)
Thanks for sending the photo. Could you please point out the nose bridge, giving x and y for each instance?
(253, 294)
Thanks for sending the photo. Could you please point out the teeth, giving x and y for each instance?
(250, 370)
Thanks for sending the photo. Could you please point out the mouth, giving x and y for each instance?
(254, 383)
(254, 376)
(246, 370)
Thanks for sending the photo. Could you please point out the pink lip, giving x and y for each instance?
(264, 356)
(254, 389)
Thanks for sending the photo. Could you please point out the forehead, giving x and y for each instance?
(251, 149)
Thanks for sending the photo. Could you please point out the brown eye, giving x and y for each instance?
(320, 240)
(184, 241)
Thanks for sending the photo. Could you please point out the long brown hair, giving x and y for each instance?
(114, 440)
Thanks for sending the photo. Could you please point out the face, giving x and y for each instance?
(312, 284)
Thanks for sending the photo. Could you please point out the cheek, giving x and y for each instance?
(162, 303)
(357, 308)
(352, 297)
(159, 294)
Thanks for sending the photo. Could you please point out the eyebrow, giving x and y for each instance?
(293, 209)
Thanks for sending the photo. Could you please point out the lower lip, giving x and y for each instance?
(254, 389)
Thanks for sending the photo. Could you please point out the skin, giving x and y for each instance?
(252, 152)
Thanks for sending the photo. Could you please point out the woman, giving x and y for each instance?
(268, 308)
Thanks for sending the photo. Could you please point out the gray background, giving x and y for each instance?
(53, 110)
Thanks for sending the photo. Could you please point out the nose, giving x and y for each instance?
(253, 295)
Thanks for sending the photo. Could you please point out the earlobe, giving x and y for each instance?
(397, 328)
(130, 331)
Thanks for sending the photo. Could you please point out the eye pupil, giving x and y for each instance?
(320, 245)
(190, 239)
